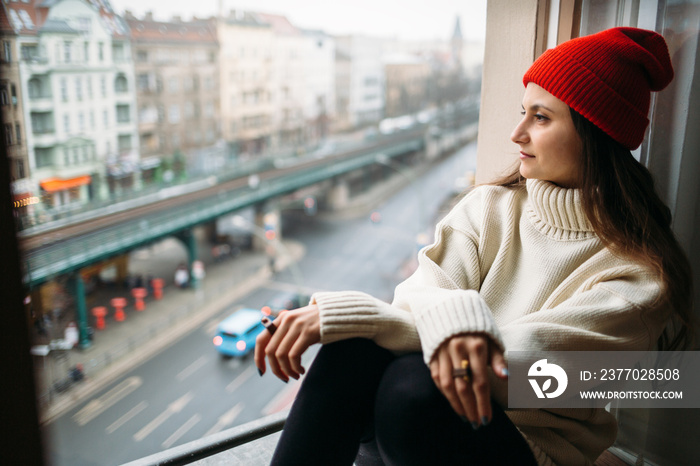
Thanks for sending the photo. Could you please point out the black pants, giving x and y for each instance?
(356, 391)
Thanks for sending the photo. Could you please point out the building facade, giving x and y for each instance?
(12, 113)
(319, 70)
(176, 65)
(407, 84)
(359, 81)
(77, 75)
(246, 82)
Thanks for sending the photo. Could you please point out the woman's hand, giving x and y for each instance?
(470, 399)
(296, 331)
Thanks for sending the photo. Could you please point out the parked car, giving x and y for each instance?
(236, 334)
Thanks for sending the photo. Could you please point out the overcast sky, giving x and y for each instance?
(405, 19)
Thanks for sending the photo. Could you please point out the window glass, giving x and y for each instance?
(299, 137)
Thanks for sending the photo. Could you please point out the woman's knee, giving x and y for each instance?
(407, 397)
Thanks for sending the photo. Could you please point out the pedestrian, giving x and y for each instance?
(182, 276)
(573, 251)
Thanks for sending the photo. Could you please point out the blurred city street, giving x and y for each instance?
(154, 380)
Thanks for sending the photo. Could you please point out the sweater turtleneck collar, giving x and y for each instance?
(557, 211)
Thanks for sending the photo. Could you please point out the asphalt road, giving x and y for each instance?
(187, 391)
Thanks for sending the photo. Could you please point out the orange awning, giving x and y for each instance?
(56, 184)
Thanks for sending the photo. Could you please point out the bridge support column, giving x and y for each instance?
(189, 239)
(267, 220)
(77, 288)
(339, 195)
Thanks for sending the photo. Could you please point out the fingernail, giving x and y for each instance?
(302, 371)
(260, 372)
(505, 372)
(484, 421)
(475, 425)
(285, 381)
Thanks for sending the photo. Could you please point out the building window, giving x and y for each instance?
(89, 86)
(105, 118)
(103, 86)
(81, 122)
(44, 157)
(64, 89)
(29, 52)
(66, 123)
(101, 51)
(123, 114)
(7, 51)
(18, 134)
(142, 56)
(124, 142)
(79, 88)
(174, 113)
(92, 120)
(120, 84)
(172, 85)
(4, 97)
(67, 52)
(8, 134)
(86, 51)
(13, 94)
(20, 169)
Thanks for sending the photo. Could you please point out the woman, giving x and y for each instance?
(572, 252)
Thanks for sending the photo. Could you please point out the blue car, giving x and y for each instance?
(235, 335)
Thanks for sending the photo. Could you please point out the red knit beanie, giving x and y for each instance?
(607, 77)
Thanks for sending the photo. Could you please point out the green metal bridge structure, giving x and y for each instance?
(65, 251)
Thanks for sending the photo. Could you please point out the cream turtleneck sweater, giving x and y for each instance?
(523, 266)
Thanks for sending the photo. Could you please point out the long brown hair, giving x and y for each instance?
(620, 201)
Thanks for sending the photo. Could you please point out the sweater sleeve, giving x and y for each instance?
(438, 301)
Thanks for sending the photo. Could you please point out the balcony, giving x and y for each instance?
(252, 444)
(36, 64)
(44, 137)
(40, 103)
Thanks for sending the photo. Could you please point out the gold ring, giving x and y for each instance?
(464, 372)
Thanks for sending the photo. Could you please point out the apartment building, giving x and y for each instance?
(76, 74)
(176, 65)
(12, 114)
(407, 84)
(319, 70)
(246, 82)
(359, 81)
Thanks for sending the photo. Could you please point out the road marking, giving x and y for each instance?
(226, 419)
(192, 368)
(174, 407)
(126, 417)
(99, 405)
(238, 381)
(181, 431)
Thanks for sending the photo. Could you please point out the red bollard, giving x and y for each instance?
(119, 304)
(99, 312)
(139, 294)
(158, 284)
